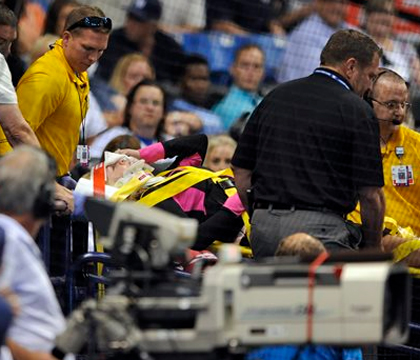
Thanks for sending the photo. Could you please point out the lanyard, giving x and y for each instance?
(82, 140)
(332, 76)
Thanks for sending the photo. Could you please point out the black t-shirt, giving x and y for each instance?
(252, 15)
(167, 55)
(311, 142)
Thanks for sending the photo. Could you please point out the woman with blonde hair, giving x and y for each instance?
(219, 152)
(129, 71)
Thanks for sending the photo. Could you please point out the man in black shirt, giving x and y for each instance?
(310, 151)
(140, 34)
(245, 16)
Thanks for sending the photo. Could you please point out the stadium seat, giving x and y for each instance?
(219, 49)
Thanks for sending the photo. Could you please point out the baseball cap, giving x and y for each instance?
(145, 10)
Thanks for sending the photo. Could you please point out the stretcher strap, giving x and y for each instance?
(101, 287)
(179, 183)
(99, 180)
(405, 249)
(311, 288)
(245, 219)
(414, 271)
(134, 185)
(246, 251)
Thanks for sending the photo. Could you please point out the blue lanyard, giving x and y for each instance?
(332, 76)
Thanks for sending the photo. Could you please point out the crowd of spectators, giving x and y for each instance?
(152, 29)
(84, 87)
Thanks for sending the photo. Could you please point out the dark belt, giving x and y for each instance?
(279, 206)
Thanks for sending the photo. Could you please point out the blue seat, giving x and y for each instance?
(219, 49)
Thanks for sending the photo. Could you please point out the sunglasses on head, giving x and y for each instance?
(92, 22)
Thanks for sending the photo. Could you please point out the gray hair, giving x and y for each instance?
(23, 172)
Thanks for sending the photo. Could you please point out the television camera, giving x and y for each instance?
(349, 299)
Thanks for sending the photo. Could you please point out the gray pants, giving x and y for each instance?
(269, 226)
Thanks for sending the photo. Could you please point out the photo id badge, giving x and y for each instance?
(83, 155)
(402, 175)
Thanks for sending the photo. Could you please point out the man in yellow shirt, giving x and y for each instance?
(53, 97)
(400, 148)
(53, 92)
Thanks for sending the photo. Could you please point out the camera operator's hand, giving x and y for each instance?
(64, 202)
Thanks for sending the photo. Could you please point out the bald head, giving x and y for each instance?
(386, 76)
(300, 244)
(389, 98)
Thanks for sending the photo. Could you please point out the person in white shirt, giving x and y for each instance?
(15, 128)
(26, 200)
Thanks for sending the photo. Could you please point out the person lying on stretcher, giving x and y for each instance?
(184, 188)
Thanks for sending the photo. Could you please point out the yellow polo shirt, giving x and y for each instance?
(402, 202)
(54, 101)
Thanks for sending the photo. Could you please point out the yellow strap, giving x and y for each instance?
(245, 219)
(101, 287)
(414, 271)
(405, 249)
(245, 250)
(128, 189)
(178, 183)
(392, 225)
(182, 183)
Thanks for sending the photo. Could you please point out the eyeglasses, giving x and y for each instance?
(393, 105)
(92, 22)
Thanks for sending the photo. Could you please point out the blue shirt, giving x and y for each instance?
(313, 352)
(212, 124)
(304, 46)
(235, 104)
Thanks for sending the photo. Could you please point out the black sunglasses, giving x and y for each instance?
(92, 22)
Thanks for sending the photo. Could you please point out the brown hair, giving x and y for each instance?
(7, 16)
(122, 142)
(247, 47)
(53, 13)
(346, 44)
(82, 12)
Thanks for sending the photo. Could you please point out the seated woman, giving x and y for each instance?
(183, 189)
(143, 117)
